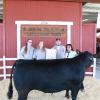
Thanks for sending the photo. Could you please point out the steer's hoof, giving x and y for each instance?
(67, 96)
(82, 90)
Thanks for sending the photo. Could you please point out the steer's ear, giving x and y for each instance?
(78, 51)
(96, 56)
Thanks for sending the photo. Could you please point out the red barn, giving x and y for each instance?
(22, 16)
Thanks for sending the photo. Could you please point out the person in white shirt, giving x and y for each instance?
(70, 53)
(27, 50)
(40, 52)
(60, 54)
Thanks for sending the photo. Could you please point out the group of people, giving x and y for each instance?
(28, 52)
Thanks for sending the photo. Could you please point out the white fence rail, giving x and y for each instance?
(5, 67)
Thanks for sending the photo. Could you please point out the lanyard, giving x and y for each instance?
(68, 54)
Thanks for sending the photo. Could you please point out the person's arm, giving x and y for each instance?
(65, 54)
(74, 53)
(45, 53)
(34, 54)
(64, 49)
(21, 54)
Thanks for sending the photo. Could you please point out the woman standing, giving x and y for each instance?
(39, 52)
(27, 50)
(70, 53)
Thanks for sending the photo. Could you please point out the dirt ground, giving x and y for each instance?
(92, 92)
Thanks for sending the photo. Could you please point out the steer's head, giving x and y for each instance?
(89, 58)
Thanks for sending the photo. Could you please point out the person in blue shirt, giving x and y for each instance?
(60, 54)
(27, 50)
(40, 52)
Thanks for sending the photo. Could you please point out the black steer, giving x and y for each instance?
(49, 76)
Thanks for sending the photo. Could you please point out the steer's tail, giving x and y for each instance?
(10, 90)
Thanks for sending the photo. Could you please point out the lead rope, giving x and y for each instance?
(68, 54)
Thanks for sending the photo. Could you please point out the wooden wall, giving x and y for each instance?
(40, 11)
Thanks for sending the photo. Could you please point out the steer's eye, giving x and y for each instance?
(91, 58)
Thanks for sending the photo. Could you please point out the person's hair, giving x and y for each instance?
(70, 46)
(26, 46)
(57, 39)
(77, 51)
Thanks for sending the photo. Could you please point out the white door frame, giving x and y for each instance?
(19, 23)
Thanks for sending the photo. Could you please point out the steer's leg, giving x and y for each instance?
(74, 93)
(82, 87)
(22, 95)
(67, 94)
